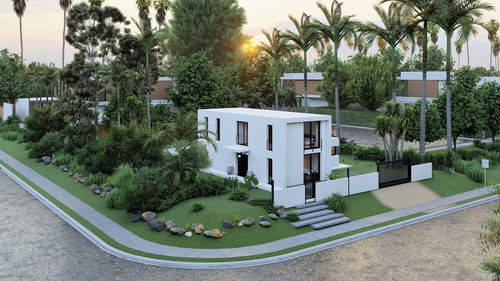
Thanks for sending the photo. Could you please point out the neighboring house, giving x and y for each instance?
(296, 80)
(412, 85)
(292, 150)
(23, 107)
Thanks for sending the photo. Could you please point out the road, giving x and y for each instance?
(37, 245)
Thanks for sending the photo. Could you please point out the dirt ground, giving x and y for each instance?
(404, 195)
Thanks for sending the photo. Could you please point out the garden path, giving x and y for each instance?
(404, 195)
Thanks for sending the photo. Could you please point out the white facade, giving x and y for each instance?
(275, 144)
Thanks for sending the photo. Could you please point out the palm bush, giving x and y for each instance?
(336, 202)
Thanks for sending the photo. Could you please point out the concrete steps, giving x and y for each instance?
(317, 215)
(304, 206)
(330, 223)
(311, 209)
(315, 220)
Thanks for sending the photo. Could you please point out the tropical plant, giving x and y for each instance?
(185, 162)
(64, 4)
(496, 51)
(161, 7)
(488, 95)
(492, 28)
(19, 8)
(327, 86)
(433, 30)
(336, 202)
(466, 32)
(305, 38)
(490, 240)
(289, 97)
(277, 48)
(338, 28)
(143, 7)
(458, 47)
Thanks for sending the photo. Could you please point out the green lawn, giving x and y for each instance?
(363, 205)
(359, 167)
(354, 117)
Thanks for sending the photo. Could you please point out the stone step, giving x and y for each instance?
(311, 209)
(303, 206)
(316, 214)
(303, 223)
(330, 223)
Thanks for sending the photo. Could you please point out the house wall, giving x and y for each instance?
(421, 172)
(415, 88)
(8, 110)
(295, 154)
(22, 108)
(290, 197)
(311, 87)
(159, 92)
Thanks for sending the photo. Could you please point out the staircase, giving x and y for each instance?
(318, 216)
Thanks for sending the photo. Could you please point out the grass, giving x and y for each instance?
(363, 205)
(359, 167)
(355, 117)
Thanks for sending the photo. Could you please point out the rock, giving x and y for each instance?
(97, 191)
(227, 224)
(148, 216)
(240, 223)
(188, 234)
(159, 227)
(65, 168)
(207, 233)
(136, 217)
(47, 162)
(217, 234)
(76, 175)
(162, 221)
(265, 223)
(178, 230)
(249, 200)
(248, 222)
(261, 218)
(92, 187)
(108, 189)
(103, 194)
(81, 180)
(194, 225)
(39, 159)
(153, 222)
(169, 225)
(46, 159)
(199, 229)
(273, 216)
(281, 211)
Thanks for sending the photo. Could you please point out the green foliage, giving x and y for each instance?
(13, 120)
(440, 159)
(434, 129)
(371, 81)
(206, 185)
(436, 60)
(11, 136)
(214, 27)
(250, 182)
(98, 178)
(472, 169)
(327, 87)
(133, 110)
(92, 157)
(40, 121)
(197, 206)
(62, 159)
(13, 82)
(487, 146)
(488, 95)
(76, 168)
(292, 216)
(372, 153)
(412, 154)
(161, 114)
(115, 199)
(48, 145)
(333, 176)
(74, 143)
(183, 166)
(336, 202)
(239, 194)
(122, 179)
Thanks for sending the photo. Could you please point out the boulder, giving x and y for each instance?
(188, 234)
(240, 223)
(76, 175)
(178, 230)
(92, 187)
(147, 216)
(47, 162)
(159, 227)
(281, 211)
(169, 225)
(153, 222)
(77, 180)
(261, 218)
(227, 224)
(273, 216)
(103, 194)
(265, 223)
(136, 217)
(207, 233)
(81, 180)
(39, 159)
(199, 229)
(46, 159)
(97, 191)
(217, 234)
(248, 222)
(65, 168)
(108, 189)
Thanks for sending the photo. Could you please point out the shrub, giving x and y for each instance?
(251, 182)
(62, 159)
(207, 185)
(74, 143)
(91, 156)
(121, 180)
(412, 154)
(197, 207)
(11, 136)
(440, 159)
(261, 202)
(48, 145)
(13, 120)
(115, 200)
(292, 216)
(336, 202)
(333, 176)
(371, 153)
(98, 179)
(472, 169)
(239, 194)
(42, 121)
(347, 148)
(471, 154)
(75, 167)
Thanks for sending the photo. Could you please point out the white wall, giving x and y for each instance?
(295, 154)
(22, 108)
(290, 197)
(8, 110)
(363, 183)
(421, 172)
(326, 188)
(317, 103)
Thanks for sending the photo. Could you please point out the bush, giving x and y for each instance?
(98, 179)
(333, 176)
(207, 185)
(412, 154)
(13, 120)
(251, 182)
(48, 145)
(42, 121)
(121, 180)
(75, 167)
(62, 159)
(292, 216)
(472, 169)
(347, 148)
(91, 156)
(261, 202)
(372, 153)
(440, 159)
(161, 114)
(471, 154)
(11, 136)
(115, 199)
(74, 143)
(336, 202)
(197, 207)
(239, 194)
(487, 146)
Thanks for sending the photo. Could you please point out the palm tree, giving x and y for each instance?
(423, 11)
(396, 31)
(277, 47)
(458, 47)
(336, 29)
(492, 28)
(290, 98)
(187, 128)
(19, 8)
(466, 32)
(143, 6)
(305, 38)
(382, 127)
(434, 32)
(161, 7)
(496, 50)
(96, 2)
(450, 17)
(65, 4)
(148, 38)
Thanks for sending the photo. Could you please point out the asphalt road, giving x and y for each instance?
(35, 244)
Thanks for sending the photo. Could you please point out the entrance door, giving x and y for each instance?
(242, 164)
(311, 175)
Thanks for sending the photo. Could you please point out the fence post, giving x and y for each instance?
(348, 183)
(409, 168)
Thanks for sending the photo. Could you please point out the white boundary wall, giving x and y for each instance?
(363, 183)
(326, 188)
(8, 110)
(421, 172)
(290, 196)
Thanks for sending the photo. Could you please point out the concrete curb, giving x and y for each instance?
(237, 264)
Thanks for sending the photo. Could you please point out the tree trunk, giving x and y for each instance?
(423, 104)
(306, 106)
(64, 34)
(21, 37)
(402, 145)
(393, 58)
(118, 103)
(448, 93)
(337, 105)
(491, 52)
(385, 147)
(148, 105)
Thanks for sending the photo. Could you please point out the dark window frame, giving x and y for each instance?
(270, 137)
(217, 133)
(308, 136)
(242, 139)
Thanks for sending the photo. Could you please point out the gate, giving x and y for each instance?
(394, 172)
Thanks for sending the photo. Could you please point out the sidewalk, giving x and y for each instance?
(126, 238)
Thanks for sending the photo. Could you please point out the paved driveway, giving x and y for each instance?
(35, 244)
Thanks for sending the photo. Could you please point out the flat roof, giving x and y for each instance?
(300, 76)
(276, 114)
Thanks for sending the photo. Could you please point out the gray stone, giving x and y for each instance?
(153, 222)
(103, 194)
(148, 215)
(97, 191)
(273, 216)
(227, 224)
(207, 233)
(65, 168)
(136, 217)
(169, 225)
(39, 159)
(248, 222)
(281, 211)
(47, 162)
(159, 227)
(46, 159)
(188, 234)
(194, 225)
(261, 218)
(265, 223)
(178, 230)
(108, 189)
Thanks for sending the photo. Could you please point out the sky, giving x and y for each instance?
(43, 23)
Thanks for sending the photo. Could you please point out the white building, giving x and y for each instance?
(295, 150)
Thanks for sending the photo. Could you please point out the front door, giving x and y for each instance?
(242, 164)
(311, 175)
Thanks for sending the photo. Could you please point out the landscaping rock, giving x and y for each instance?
(81, 180)
(227, 224)
(281, 211)
(136, 217)
(240, 223)
(188, 234)
(207, 233)
(92, 187)
(148, 216)
(261, 218)
(273, 216)
(178, 230)
(39, 159)
(169, 225)
(47, 162)
(65, 168)
(153, 222)
(108, 189)
(217, 234)
(194, 225)
(249, 200)
(103, 194)
(97, 191)
(265, 223)
(46, 159)
(199, 229)
(248, 222)
(159, 227)
(76, 176)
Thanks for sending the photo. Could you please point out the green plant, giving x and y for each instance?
(98, 179)
(472, 169)
(48, 145)
(62, 159)
(13, 120)
(336, 202)
(197, 206)
(333, 176)
(239, 194)
(292, 216)
(92, 157)
(236, 220)
(122, 179)
(42, 121)
(206, 185)
(76, 168)
(251, 182)
(115, 199)
(10, 136)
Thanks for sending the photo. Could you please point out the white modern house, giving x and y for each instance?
(293, 150)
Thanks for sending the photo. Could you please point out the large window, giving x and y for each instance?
(269, 137)
(312, 135)
(242, 136)
(269, 170)
(217, 133)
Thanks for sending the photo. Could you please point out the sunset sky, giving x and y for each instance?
(42, 25)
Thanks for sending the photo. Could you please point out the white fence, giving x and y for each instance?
(421, 172)
(8, 110)
(326, 188)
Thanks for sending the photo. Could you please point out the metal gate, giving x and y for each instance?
(394, 172)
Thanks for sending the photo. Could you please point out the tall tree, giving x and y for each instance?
(161, 7)
(336, 29)
(277, 47)
(19, 8)
(211, 26)
(65, 4)
(143, 7)
(305, 38)
(434, 32)
(458, 47)
(492, 28)
(496, 50)
(467, 31)
(488, 95)
(450, 16)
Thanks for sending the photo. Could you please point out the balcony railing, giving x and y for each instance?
(242, 140)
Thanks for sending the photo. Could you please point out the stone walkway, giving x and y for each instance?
(125, 237)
